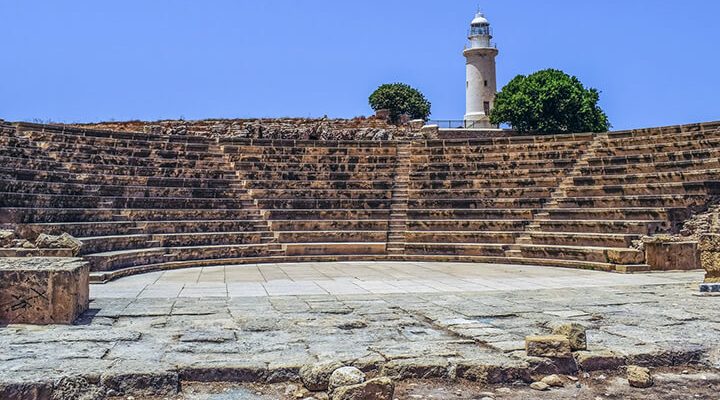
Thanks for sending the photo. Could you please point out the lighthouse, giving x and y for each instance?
(480, 85)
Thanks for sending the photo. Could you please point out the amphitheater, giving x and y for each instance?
(144, 202)
(567, 223)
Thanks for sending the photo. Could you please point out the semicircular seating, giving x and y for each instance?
(142, 202)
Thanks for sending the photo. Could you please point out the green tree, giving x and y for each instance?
(398, 99)
(549, 101)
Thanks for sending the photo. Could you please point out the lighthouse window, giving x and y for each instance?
(486, 83)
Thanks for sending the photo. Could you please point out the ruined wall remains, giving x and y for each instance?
(280, 128)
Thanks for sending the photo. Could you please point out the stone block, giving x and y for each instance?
(6, 237)
(575, 333)
(63, 241)
(598, 360)
(43, 290)
(375, 389)
(625, 256)
(556, 346)
(672, 256)
(709, 242)
(639, 377)
(710, 261)
(345, 376)
(493, 372)
(541, 386)
(553, 380)
(316, 377)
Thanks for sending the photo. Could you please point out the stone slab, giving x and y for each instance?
(672, 256)
(43, 290)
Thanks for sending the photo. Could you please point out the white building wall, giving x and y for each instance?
(481, 84)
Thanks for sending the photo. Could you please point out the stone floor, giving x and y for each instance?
(357, 278)
(145, 334)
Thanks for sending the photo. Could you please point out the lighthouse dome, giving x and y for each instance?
(480, 20)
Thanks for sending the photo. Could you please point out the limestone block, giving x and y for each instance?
(553, 380)
(541, 386)
(493, 372)
(672, 256)
(6, 237)
(575, 334)
(415, 368)
(345, 376)
(63, 241)
(43, 290)
(625, 256)
(556, 346)
(316, 377)
(709, 242)
(598, 360)
(430, 131)
(710, 261)
(374, 389)
(416, 124)
(639, 377)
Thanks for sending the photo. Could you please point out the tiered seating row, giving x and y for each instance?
(320, 199)
(629, 184)
(137, 202)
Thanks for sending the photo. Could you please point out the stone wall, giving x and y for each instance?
(671, 255)
(43, 290)
(360, 128)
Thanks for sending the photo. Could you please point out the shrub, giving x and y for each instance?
(399, 99)
(549, 101)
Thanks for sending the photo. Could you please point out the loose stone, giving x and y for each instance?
(345, 376)
(639, 377)
(316, 377)
(541, 386)
(553, 380)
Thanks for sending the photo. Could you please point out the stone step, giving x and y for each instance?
(592, 239)
(641, 201)
(502, 237)
(128, 258)
(349, 248)
(331, 236)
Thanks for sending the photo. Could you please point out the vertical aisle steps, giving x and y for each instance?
(559, 191)
(397, 226)
(535, 228)
(261, 224)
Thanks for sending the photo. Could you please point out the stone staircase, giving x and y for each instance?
(560, 193)
(397, 225)
(261, 223)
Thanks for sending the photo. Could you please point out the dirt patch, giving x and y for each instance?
(670, 384)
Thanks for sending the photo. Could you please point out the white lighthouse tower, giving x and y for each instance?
(481, 85)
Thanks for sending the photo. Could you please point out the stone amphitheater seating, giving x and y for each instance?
(142, 202)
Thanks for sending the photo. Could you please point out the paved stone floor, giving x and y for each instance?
(145, 334)
(356, 278)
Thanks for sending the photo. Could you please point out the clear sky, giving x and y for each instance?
(655, 61)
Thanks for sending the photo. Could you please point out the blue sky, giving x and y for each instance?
(655, 61)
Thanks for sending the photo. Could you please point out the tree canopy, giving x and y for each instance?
(398, 99)
(549, 101)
